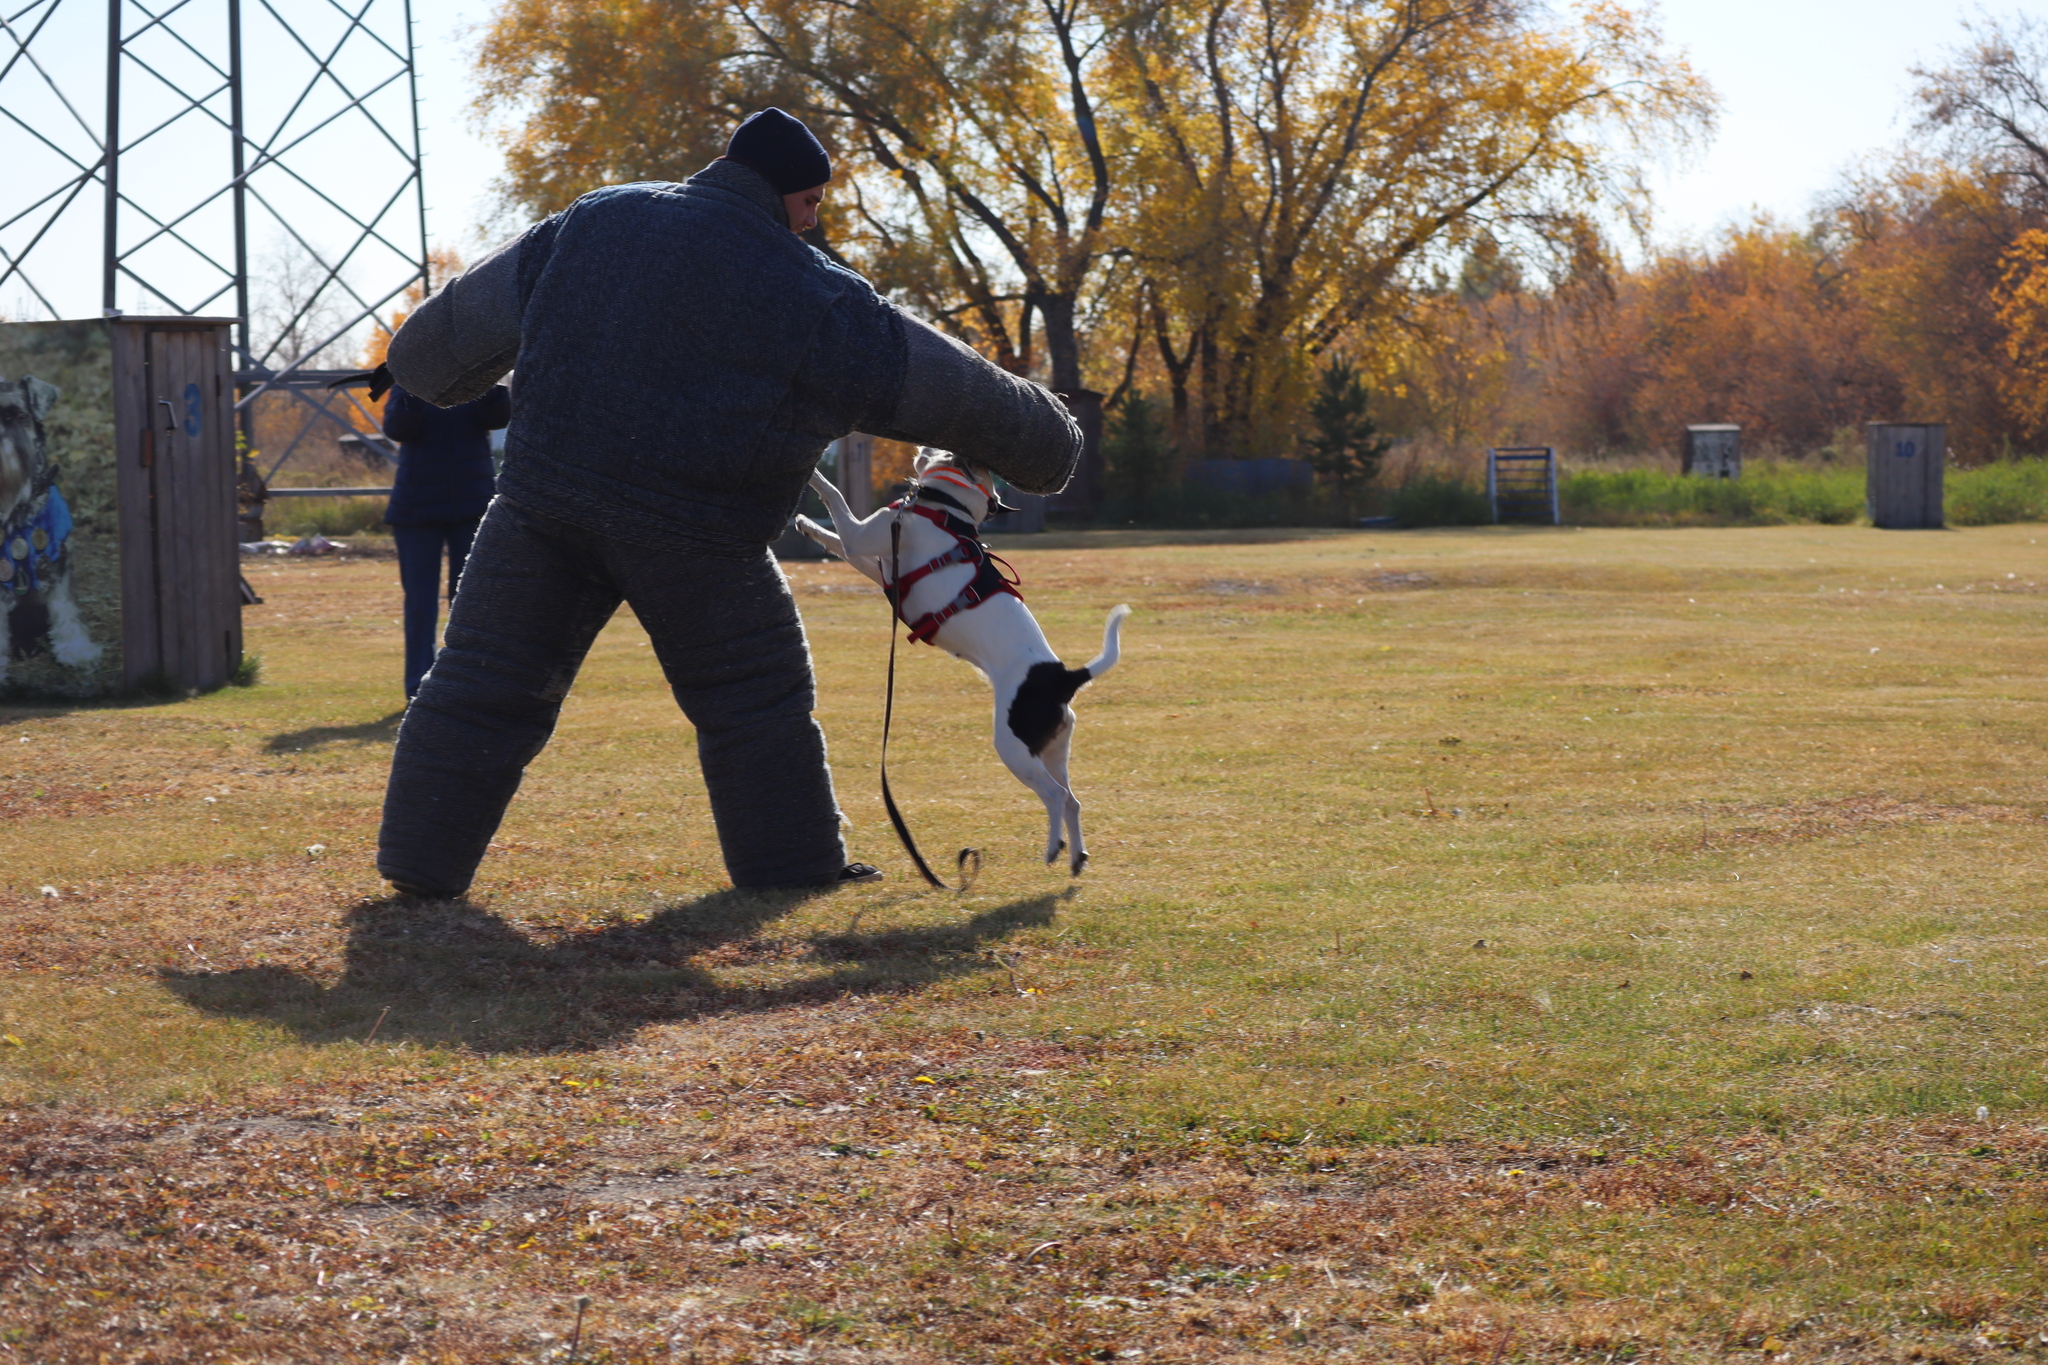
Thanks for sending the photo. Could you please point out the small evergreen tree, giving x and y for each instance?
(1345, 446)
(1137, 454)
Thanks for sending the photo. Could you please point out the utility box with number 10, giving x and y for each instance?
(1903, 492)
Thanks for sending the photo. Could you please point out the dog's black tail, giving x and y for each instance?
(1041, 702)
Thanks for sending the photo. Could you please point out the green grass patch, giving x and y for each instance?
(325, 517)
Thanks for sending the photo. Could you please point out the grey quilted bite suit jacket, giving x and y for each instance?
(683, 360)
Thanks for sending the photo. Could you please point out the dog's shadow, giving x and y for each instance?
(383, 730)
(450, 974)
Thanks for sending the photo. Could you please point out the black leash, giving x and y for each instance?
(888, 712)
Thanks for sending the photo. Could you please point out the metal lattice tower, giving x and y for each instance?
(150, 142)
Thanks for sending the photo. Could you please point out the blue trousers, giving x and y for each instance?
(534, 596)
(419, 573)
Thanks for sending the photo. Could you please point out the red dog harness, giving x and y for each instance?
(989, 579)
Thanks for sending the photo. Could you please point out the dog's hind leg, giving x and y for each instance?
(1055, 755)
(1031, 770)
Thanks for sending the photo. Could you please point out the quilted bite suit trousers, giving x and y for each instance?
(535, 593)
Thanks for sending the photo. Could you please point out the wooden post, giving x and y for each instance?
(857, 472)
(1903, 491)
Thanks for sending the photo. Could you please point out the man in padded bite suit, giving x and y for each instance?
(683, 360)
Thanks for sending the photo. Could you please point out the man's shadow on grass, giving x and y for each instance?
(383, 730)
(449, 974)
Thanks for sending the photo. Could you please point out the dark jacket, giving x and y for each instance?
(444, 456)
(684, 359)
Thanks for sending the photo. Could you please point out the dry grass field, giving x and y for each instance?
(1503, 945)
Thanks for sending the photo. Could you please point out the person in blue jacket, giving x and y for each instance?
(445, 481)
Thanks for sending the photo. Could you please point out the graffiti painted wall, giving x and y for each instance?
(60, 552)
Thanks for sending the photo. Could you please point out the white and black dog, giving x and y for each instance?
(37, 610)
(954, 597)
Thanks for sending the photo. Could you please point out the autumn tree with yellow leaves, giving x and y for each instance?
(1308, 162)
(1234, 185)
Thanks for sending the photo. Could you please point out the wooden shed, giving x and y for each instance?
(1713, 450)
(1903, 490)
(118, 562)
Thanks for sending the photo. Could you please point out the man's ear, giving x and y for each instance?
(42, 397)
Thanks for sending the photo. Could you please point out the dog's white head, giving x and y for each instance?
(970, 485)
(24, 403)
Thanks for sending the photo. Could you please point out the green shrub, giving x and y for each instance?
(1440, 500)
(324, 517)
(2011, 490)
(1768, 493)
(1137, 453)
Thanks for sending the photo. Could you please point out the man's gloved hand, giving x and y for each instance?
(379, 380)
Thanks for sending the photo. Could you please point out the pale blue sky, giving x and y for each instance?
(1807, 87)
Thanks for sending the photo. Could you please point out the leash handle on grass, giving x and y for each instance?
(888, 714)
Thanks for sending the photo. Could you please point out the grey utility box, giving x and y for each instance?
(1904, 488)
(1714, 451)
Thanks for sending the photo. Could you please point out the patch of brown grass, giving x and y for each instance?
(819, 1183)
(1852, 815)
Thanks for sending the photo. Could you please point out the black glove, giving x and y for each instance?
(379, 380)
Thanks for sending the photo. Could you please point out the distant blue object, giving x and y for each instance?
(1379, 523)
(1250, 478)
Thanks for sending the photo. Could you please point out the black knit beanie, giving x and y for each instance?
(782, 150)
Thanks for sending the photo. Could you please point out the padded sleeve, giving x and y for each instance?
(955, 400)
(460, 342)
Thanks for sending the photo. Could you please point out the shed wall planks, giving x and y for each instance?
(192, 487)
(142, 645)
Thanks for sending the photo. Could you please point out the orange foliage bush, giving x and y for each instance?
(1921, 295)
(2023, 310)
